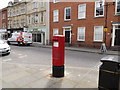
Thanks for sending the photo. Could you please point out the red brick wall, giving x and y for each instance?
(4, 11)
(0, 19)
(89, 22)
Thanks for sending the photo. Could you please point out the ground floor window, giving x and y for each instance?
(37, 37)
(55, 31)
(98, 33)
(3, 36)
(81, 34)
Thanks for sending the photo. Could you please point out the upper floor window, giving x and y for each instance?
(42, 3)
(55, 1)
(36, 18)
(17, 11)
(99, 8)
(22, 22)
(29, 19)
(55, 16)
(17, 22)
(9, 11)
(67, 13)
(81, 11)
(22, 9)
(35, 4)
(14, 12)
(3, 16)
(118, 7)
(41, 17)
(9, 24)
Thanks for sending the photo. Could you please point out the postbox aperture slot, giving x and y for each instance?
(55, 40)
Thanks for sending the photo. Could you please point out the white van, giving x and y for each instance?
(20, 38)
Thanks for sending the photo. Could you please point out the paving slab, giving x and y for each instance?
(64, 83)
(38, 76)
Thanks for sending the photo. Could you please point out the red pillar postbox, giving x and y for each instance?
(58, 49)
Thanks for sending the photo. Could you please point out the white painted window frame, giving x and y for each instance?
(3, 16)
(113, 34)
(102, 34)
(95, 9)
(55, 1)
(42, 3)
(41, 17)
(116, 13)
(65, 13)
(56, 16)
(82, 11)
(29, 19)
(35, 4)
(82, 28)
(36, 18)
(54, 31)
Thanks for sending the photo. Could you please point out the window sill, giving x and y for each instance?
(55, 2)
(99, 17)
(80, 40)
(82, 18)
(43, 24)
(97, 41)
(67, 20)
(117, 15)
(55, 21)
(35, 23)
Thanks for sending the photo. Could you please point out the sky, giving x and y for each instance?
(4, 3)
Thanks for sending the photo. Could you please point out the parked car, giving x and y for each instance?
(4, 48)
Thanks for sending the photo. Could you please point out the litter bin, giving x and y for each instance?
(109, 73)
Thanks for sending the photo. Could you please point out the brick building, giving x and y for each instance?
(0, 19)
(83, 23)
(3, 23)
(3, 17)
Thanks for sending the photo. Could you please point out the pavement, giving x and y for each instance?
(39, 76)
(81, 49)
(17, 75)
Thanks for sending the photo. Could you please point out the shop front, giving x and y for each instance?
(116, 34)
(39, 35)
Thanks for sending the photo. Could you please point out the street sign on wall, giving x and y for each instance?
(105, 29)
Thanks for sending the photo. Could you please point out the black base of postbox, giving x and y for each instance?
(58, 71)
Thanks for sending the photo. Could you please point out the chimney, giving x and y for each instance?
(16, 1)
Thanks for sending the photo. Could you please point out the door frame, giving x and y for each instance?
(36, 35)
(113, 34)
(41, 38)
(64, 29)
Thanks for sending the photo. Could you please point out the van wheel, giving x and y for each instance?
(8, 43)
(18, 43)
(28, 44)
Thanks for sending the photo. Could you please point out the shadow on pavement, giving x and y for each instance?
(54, 83)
